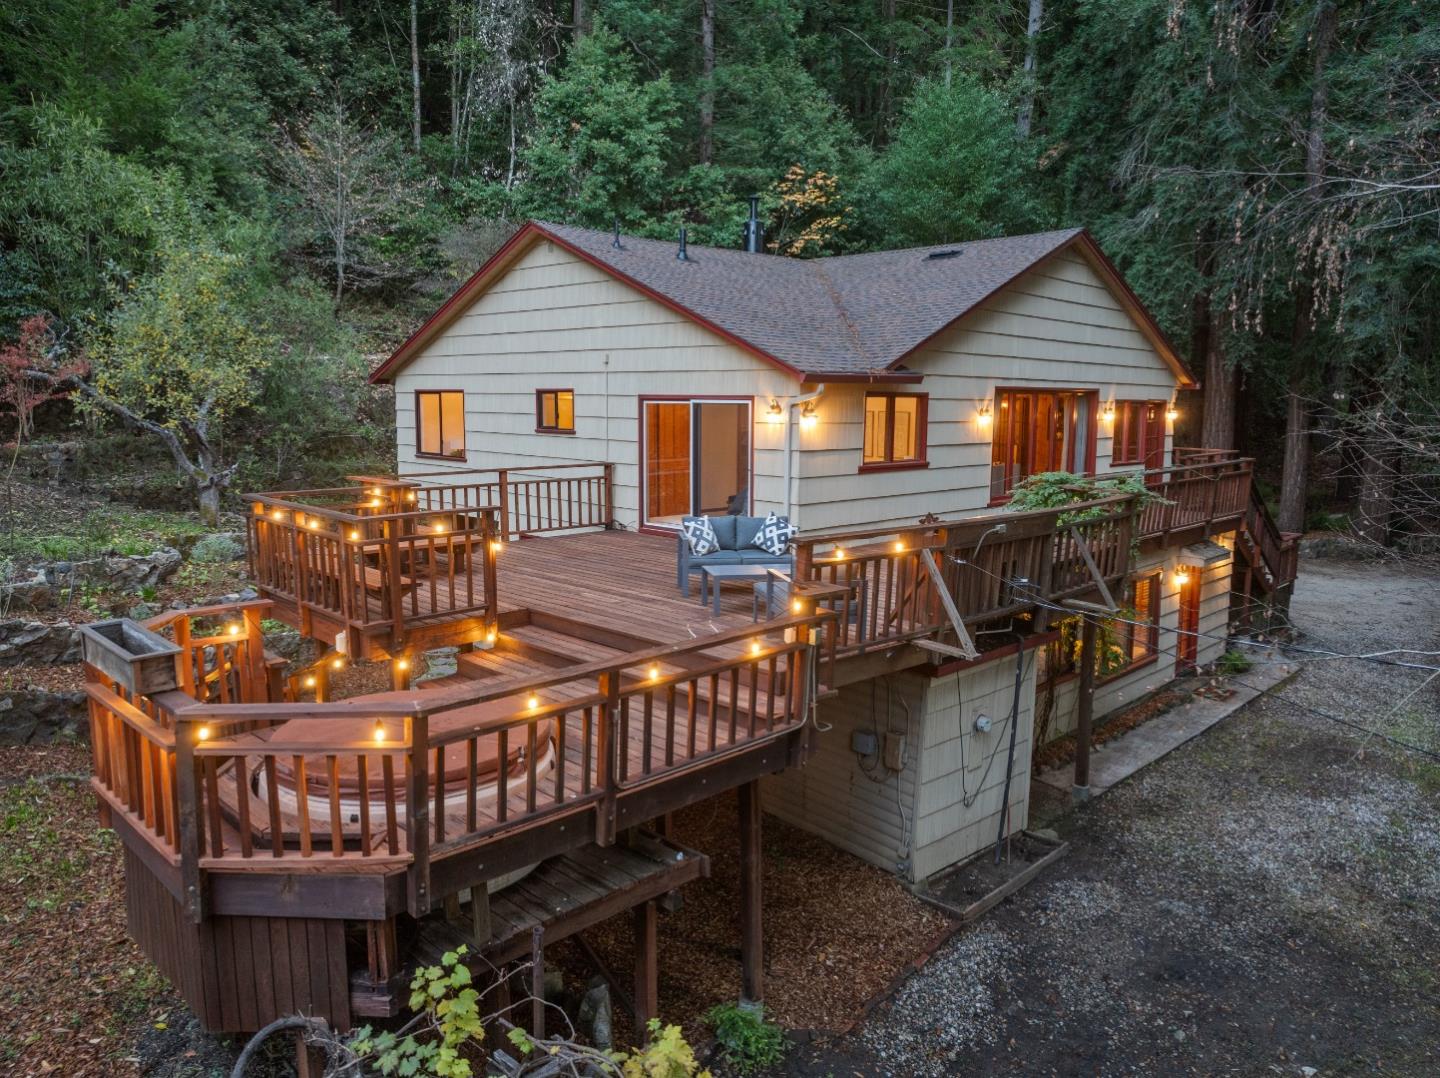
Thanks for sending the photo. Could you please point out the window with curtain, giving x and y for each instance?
(1040, 430)
(1139, 436)
(894, 430)
(440, 424)
(555, 410)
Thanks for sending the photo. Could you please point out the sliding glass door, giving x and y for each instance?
(696, 458)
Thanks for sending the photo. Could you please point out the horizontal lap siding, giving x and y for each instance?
(1057, 327)
(960, 764)
(550, 323)
(833, 796)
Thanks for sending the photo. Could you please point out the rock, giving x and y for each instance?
(596, 1014)
(141, 611)
(36, 717)
(36, 643)
(440, 663)
(130, 571)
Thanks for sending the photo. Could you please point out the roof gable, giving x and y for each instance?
(850, 317)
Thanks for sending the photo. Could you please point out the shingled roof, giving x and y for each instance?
(851, 317)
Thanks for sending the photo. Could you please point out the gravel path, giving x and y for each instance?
(1261, 901)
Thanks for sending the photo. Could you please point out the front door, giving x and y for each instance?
(696, 458)
(1187, 644)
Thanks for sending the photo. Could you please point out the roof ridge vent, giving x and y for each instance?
(954, 252)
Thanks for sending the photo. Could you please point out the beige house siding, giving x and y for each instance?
(959, 764)
(857, 804)
(1120, 692)
(1058, 326)
(554, 321)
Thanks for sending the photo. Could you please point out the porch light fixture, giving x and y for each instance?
(808, 418)
(1107, 411)
(984, 415)
(1172, 413)
(1182, 576)
(773, 412)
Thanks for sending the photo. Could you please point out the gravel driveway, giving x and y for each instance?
(1265, 900)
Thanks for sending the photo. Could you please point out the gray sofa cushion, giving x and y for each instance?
(745, 530)
(755, 556)
(725, 531)
(720, 557)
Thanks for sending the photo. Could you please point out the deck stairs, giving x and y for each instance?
(1266, 563)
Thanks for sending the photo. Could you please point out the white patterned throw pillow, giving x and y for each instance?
(700, 535)
(774, 535)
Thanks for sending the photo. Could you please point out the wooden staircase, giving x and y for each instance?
(1266, 563)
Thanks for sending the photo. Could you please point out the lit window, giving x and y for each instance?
(1040, 431)
(894, 429)
(1139, 436)
(555, 410)
(440, 424)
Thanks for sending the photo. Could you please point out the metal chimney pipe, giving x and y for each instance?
(754, 238)
(680, 255)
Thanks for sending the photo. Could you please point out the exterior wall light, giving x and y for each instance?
(1182, 576)
(1107, 411)
(1172, 413)
(773, 412)
(984, 415)
(808, 418)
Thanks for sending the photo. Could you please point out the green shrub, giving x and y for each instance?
(748, 1039)
(1233, 662)
(215, 549)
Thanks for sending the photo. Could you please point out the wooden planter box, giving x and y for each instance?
(122, 649)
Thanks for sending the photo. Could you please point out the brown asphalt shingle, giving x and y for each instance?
(845, 315)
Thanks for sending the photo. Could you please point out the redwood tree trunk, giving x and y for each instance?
(1221, 380)
(707, 81)
(415, 74)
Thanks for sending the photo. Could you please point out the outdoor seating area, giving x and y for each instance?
(735, 539)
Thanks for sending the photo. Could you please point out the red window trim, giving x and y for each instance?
(922, 446)
(1091, 440)
(540, 427)
(464, 441)
(1121, 452)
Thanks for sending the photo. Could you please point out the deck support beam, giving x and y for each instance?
(647, 968)
(1084, 709)
(752, 942)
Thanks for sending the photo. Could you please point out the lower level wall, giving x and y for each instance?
(963, 769)
(240, 973)
(852, 801)
(1119, 692)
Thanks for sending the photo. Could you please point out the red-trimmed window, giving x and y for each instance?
(440, 424)
(894, 430)
(1040, 430)
(555, 411)
(1139, 636)
(1139, 433)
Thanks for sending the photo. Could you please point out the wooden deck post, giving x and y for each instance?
(502, 490)
(647, 968)
(1084, 708)
(188, 808)
(608, 494)
(537, 982)
(605, 757)
(752, 943)
(417, 815)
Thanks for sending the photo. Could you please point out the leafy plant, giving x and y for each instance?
(217, 548)
(447, 1019)
(1233, 662)
(748, 1039)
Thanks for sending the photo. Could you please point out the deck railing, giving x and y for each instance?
(996, 566)
(215, 786)
(531, 501)
(375, 559)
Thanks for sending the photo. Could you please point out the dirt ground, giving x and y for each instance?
(1262, 901)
